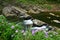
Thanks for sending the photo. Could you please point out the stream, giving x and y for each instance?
(50, 18)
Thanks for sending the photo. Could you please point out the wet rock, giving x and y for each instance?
(52, 14)
(57, 21)
(38, 22)
(34, 11)
(25, 15)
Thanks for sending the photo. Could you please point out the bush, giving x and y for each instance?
(8, 30)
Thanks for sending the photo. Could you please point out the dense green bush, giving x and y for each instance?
(8, 29)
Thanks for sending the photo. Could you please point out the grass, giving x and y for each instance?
(6, 32)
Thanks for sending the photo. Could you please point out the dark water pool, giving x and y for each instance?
(44, 17)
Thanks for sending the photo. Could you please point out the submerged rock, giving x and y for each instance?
(57, 21)
(52, 14)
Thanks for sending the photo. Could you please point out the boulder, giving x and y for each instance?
(38, 22)
(7, 11)
(13, 11)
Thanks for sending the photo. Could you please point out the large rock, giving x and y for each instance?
(7, 11)
(13, 11)
(38, 22)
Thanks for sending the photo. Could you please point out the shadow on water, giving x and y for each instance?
(44, 17)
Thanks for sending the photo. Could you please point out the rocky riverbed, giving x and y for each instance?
(52, 18)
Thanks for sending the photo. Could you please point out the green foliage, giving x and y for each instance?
(32, 1)
(46, 6)
(5, 28)
(8, 33)
(29, 1)
(55, 1)
(38, 1)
